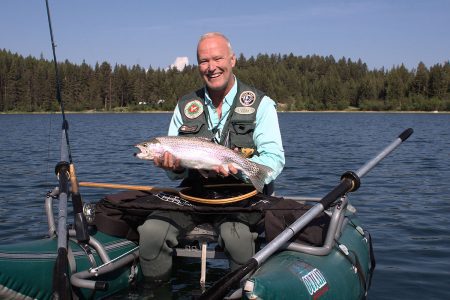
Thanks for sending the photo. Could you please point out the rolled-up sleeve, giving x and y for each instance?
(175, 122)
(267, 138)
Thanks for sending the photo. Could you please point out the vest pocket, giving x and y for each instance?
(241, 134)
(186, 129)
(243, 128)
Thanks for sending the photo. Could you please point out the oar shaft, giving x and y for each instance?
(61, 286)
(346, 185)
(63, 177)
(288, 233)
(374, 161)
(146, 188)
(349, 182)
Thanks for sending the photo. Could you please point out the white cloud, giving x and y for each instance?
(180, 63)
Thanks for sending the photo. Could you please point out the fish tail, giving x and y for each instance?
(258, 178)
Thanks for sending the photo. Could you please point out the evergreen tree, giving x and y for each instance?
(312, 82)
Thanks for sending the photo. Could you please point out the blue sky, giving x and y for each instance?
(382, 33)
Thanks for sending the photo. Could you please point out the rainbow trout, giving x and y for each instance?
(202, 154)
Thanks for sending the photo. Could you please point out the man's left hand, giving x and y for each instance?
(226, 170)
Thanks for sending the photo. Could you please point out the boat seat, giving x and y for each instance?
(195, 244)
(202, 242)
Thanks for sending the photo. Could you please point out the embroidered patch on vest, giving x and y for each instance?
(244, 110)
(247, 98)
(193, 109)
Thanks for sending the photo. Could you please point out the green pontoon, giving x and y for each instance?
(108, 264)
(340, 269)
(96, 269)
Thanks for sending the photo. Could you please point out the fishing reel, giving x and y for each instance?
(89, 212)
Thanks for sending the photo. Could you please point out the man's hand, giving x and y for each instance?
(225, 171)
(168, 162)
(171, 163)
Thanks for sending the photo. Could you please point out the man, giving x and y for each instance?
(230, 113)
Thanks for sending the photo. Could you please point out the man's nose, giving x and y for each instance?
(212, 65)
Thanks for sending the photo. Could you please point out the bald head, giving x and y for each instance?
(215, 35)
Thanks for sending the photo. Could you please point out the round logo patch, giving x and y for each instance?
(247, 98)
(193, 109)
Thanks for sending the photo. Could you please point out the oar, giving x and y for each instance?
(182, 192)
(350, 181)
(145, 188)
(61, 284)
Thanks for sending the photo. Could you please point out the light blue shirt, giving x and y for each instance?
(267, 136)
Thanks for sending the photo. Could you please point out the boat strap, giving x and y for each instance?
(372, 258)
(368, 238)
(134, 270)
(355, 263)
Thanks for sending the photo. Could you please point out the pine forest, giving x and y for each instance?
(296, 83)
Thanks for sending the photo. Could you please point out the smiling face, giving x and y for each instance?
(215, 62)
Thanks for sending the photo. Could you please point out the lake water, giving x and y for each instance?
(404, 202)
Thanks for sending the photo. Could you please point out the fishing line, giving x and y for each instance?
(65, 125)
(47, 181)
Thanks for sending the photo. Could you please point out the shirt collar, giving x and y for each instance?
(228, 97)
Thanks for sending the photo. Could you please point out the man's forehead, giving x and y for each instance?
(213, 50)
(213, 41)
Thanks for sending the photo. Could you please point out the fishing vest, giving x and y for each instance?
(237, 131)
(239, 125)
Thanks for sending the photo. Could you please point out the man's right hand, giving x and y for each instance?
(168, 162)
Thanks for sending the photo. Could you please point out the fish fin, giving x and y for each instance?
(258, 180)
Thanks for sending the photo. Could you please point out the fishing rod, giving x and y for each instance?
(350, 181)
(80, 221)
(65, 172)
